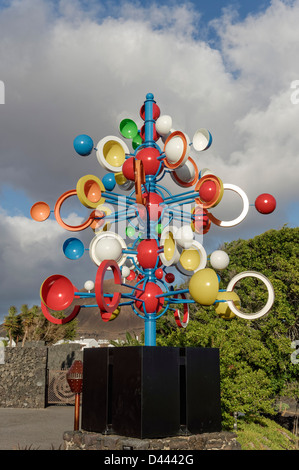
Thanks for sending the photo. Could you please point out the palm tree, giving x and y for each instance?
(11, 323)
(28, 319)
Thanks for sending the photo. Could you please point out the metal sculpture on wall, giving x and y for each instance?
(157, 231)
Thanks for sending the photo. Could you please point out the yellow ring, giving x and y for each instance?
(84, 185)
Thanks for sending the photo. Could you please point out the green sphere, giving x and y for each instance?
(130, 232)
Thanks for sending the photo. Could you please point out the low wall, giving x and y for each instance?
(81, 440)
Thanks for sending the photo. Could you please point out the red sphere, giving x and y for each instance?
(153, 205)
(207, 191)
(156, 136)
(148, 296)
(156, 111)
(159, 273)
(149, 157)
(131, 276)
(128, 169)
(265, 203)
(169, 278)
(201, 220)
(147, 253)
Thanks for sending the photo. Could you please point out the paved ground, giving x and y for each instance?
(35, 429)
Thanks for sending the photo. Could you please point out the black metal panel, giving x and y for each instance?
(161, 392)
(146, 392)
(127, 391)
(151, 392)
(95, 392)
(203, 406)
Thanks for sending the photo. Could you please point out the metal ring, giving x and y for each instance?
(182, 183)
(265, 309)
(172, 166)
(99, 288)
(219, 191)
(82, 189)
(59, 202)
(60, 321)
(237, 220)
(177, 315)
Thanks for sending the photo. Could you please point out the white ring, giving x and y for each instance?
(265, 309)
(107, 234)
(237, 220)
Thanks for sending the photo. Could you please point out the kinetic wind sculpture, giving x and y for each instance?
(161, 227)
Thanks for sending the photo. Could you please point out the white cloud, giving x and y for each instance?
(71, 69)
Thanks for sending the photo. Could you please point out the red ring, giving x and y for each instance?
(186, 314)
(99, 288)
(60, 321)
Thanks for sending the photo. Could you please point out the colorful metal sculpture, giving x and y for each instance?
(157, 229)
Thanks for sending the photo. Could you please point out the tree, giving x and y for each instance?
(255, 363)
(43, 330)
(275, 254)
(12, 325)
(28, 319)
(31, 325)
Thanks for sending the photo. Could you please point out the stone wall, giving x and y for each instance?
(81, 440)
(23, 377)
(23, 372)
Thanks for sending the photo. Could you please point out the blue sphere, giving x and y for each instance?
(83, 144)
(73, 248)
(109, 181)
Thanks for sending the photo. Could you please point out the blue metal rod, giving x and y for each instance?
(187, 193)
(173, 292)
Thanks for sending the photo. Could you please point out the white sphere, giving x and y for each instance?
(205, 171)
(202, 139)
(174, 149)
(219, 259)
(89, 285)
(186, 173)
(163, 124)
(184, 236)
(108, 248)
(125, 271)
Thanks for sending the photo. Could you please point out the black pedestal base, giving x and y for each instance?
(151, 392)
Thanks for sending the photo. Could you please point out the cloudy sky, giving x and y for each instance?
(70, 67)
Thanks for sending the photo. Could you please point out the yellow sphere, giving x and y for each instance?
(190, 259)
(120, 178)
(169, 247)
(204, 286)
(222, 308)
(114, 153)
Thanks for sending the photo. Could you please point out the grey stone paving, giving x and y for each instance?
(35, 429)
